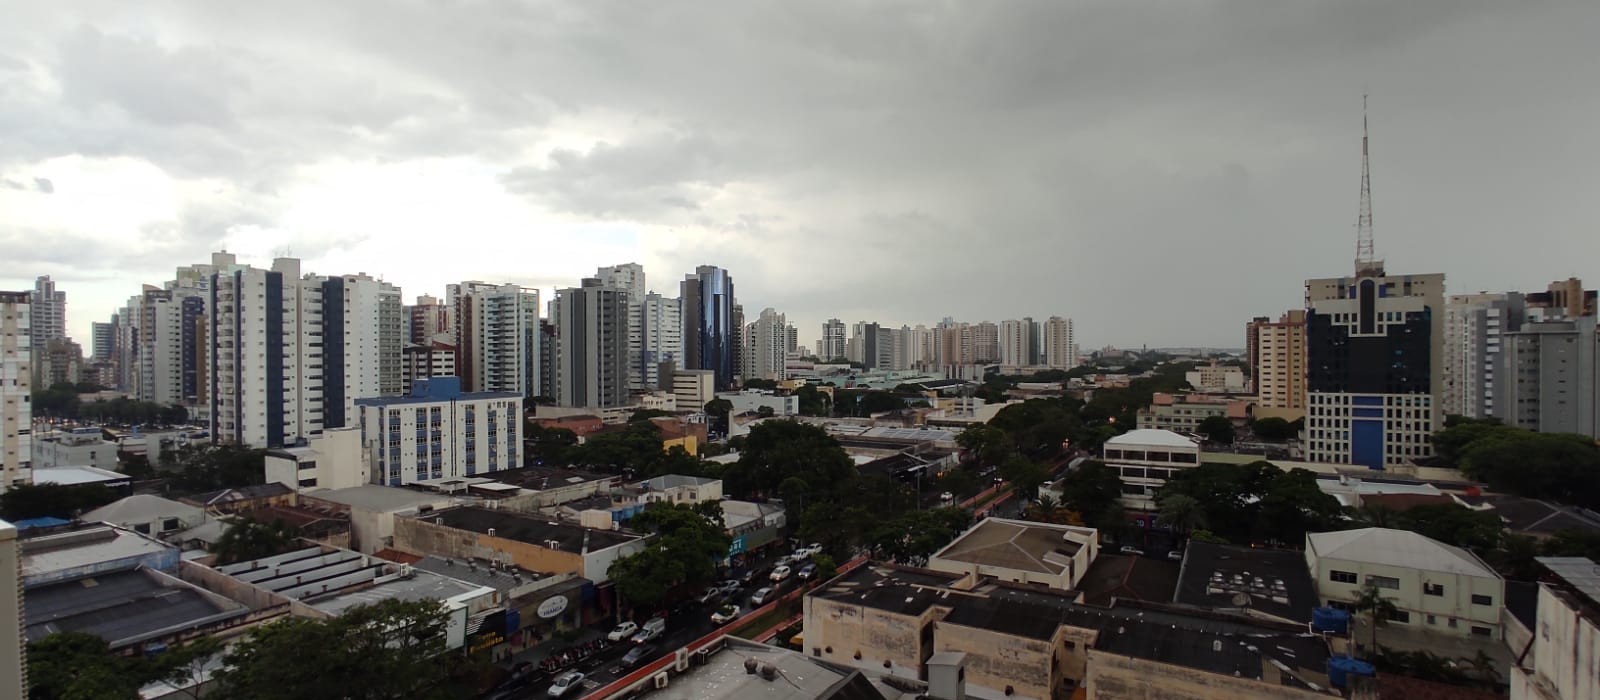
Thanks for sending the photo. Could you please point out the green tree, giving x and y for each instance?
(1273, 429)
(645, 414)
(1217, 429)
(761, 384)
(719, 410)
(185, 666)
(1181, 512)
(53, 500)
(1092, 489)
(1556, 466)
(780, 449)
(689, 544)
(1446, 522)
(247, 540)
(549, 445)
(1024, 475)
(1378, 609)
(78, 666)
(959, 481)
(985, 444)
(390, 649)
(202, 467)
(814, 402)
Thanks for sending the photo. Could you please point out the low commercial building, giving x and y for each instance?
(373, 510)
(735, 669)
(692, 389)
(243, 498)
(1021, 551)
(753, 401)
(1435, 587)
(84, 447)
(440, 431)
(752, 527)
(1022, 641)
(79, 475)
(332, 460)
(1269, 583)
(1145, 459)
(1184, 413)
(145, 514)
(1565, 663)
(526, 541)
(667, 488)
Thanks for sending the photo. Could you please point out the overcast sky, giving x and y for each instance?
(1160, 172)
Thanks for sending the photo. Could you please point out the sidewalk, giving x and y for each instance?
(546, 647)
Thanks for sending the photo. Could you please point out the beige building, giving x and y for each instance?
(1435, 587)
(1021, 552)
(1565, 663)
(13, 665)
(529, 542)
(333, 460)
(1184, 413)
(1279, 363)
(692, 389)
(1217, 378)
(1021, 641)
(16, 380)
(1145, 459)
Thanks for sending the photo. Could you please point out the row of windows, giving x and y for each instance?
(1393, 584)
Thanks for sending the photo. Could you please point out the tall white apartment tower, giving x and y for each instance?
(767, 347)
(497, 337)
(1474, 327)
(833, 340)
(1060, 347)
(49, 310)
(266, 365)
(629, 278)
(363, 332)
(1016, 342)
(661, 338)
(593, 351)
(16, 382)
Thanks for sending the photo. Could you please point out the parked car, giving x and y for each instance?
(809, 550)
(652, 628)
(565, 684)
(729, 587)
(947, 497)
(752, 574)
(1130, 549)
(725, 614)
(762, 595)
(1175, 555)
(807, 571)
(780, 573)
(638, 654)
(623, 631)
(709, 595)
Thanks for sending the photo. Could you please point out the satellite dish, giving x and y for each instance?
(1241, 600)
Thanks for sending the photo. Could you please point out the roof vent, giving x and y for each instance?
(750, 665)
(769, 672)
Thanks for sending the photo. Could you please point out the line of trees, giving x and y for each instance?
(61, 401)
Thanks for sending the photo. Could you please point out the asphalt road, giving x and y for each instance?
(685, 625)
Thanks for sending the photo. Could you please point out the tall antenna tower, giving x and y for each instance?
(1364, 257)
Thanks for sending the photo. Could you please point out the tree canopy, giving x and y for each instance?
(247, 539)
(61, 401)
(202, 467)
(1273, 429)
(79, 666)
(1217, 429)
(1256, 502)
(1556, 466)
(1093, 489)
(690, 542)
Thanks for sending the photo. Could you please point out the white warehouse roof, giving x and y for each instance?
(1147, 437)
(1402, 548)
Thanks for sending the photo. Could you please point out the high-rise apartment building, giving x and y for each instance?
(1252, 354)
(985, 342)
(103, 343)
(1374, 366)
(362, 361)
(766, 350)
(1016, 342)
(710, 330)
(435, 359)
(660, 328)
(266, 356)
(49, 309)
(832, 345)
(61, 363)
(1278, 365)
(1474, 325)
(630, 279)
(791, 339)
(497, 336)
(1548, 376)
(428, 319)
(171, 333)
(1060, 345)
(16, 384)
(593, 346)
(549, 351)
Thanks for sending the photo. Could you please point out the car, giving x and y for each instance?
(623, 631)
(762, 595)
(565, 684)
(709, 595)
(729, 587)
(780, 573)
(807, 571)
(639, 654)
(1175, 555)
(1130, 549)
(725, 614)
(652, 628)
(750, 575)
(947, 497)
(809, 550)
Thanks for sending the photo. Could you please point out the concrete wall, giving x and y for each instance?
(422, 536)
(59, 453)
(1566, 653)
(995, 660)
(876, 634)
(1455, 603)
(1115, 677)
(597, 563)
(12, 679)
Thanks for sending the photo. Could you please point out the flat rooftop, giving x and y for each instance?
(545, 478)
(124, 607)
(334, 580)
(796, 677)
(73, 475)
(84, 545)
(1273, 581)
(383, 499)
(530, 529)
(1123, 577)
(1017, 544)
(890, 588)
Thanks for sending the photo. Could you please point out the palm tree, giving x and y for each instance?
(1378, 608)
(1182, 512)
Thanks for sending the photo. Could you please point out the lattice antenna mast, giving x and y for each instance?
(1364, 255)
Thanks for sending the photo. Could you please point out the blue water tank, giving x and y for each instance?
(1341, 667)
(1331, 620)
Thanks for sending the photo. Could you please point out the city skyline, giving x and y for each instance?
(986, 157)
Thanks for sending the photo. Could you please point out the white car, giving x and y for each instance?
(809, 550)
(947, 497)
(623, 631)
(780, 573)
(565, 684)
(652, 628)
(725, 614)
(761, 596)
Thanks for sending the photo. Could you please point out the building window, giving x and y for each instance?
(1481, 631)
(1433, 589)
(169, 524)
(1400, 616)
(142, 528)
(1482, 600)
(1387, 582)
(1338, 576)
